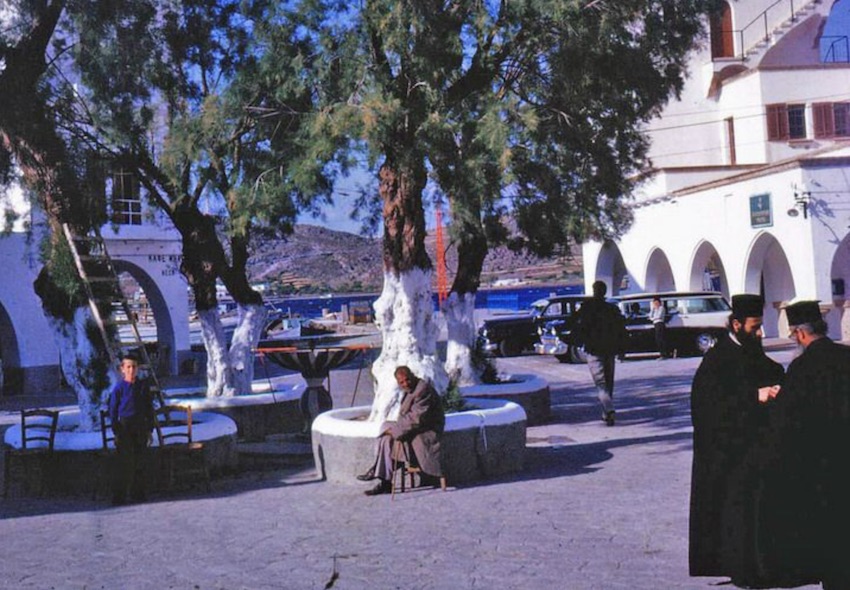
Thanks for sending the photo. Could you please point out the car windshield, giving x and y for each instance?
(538, 307)
(702, 304)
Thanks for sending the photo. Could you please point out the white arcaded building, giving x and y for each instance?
(141, 243)
(750, 187)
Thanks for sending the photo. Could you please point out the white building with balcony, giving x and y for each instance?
(141, 243)
(750, 186)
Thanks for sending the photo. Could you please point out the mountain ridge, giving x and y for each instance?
(315, 258)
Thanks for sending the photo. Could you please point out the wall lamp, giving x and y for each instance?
(801, 203)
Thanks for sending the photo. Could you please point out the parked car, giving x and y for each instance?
(518, 333)
(695, 320)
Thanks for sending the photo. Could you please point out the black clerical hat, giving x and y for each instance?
(747, 306)
(803, 312)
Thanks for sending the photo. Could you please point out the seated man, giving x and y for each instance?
(420, 423)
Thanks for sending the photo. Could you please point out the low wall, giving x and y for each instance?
(257, 415)
(77, 464)
(529, 391)
(479, 443)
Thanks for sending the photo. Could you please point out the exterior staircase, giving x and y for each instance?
(762, 33)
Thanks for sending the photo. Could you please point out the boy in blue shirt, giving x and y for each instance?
(131, 412)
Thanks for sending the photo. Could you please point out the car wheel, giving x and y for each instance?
(564, 358)
(704, 342)
(508, 348)
(577, 354)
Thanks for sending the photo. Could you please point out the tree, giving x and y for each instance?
(567, 145)
(36, 152)
(492, 99)
(182, 95)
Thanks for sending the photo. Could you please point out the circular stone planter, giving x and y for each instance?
(529, 391)
(77, 467)
(486, 441)
(257, 415)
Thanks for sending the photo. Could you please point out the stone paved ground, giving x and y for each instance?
(596, 507)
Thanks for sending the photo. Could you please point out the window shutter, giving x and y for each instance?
(823, 119)
(777, 122)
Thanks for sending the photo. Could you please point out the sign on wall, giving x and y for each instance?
(761, 214)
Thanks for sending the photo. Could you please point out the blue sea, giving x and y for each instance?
(507, 299)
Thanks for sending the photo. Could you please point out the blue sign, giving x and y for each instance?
(761, 214)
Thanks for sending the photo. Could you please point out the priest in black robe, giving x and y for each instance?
(733, 392)
(810, 493)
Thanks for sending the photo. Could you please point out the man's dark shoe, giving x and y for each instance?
(382, 487)
(609, 418)
(368, 476)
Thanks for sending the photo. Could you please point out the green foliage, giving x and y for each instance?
(452, 400)
(61, 288)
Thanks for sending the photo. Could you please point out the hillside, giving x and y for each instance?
(319, 259)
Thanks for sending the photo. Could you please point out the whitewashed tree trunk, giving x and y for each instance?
(459, 312)
(405, 315)
(81, 364)
(219, 372)
(249, 326)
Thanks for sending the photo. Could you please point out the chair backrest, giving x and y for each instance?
(173, 424)
(38, 426)
(107, 435)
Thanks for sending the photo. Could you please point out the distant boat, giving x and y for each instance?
(283, 328)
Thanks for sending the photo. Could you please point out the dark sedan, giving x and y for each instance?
(517, 334)
(695, 320)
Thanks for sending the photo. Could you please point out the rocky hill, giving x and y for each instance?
(315, 258)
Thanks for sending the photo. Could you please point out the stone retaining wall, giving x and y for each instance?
(77, 465)
(476, 444)
(529, 391)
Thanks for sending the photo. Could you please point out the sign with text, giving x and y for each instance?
(761, 214)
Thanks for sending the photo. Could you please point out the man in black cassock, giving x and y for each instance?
(731, 397)
(812, 489)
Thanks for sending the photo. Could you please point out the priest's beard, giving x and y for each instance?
(751, 343)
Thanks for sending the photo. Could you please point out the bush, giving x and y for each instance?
(453, 401)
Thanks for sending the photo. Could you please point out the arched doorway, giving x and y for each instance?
(11, 374)
(722, 33)
(839, 318)
(768, 273)
(659, 275)
(611, 269)
(159, 326)
(707, 272)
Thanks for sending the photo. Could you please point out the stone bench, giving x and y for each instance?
(482, 442)
(529, 391)
(77, 465)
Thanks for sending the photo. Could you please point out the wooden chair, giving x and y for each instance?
(106, 455)
(404, 464)
(38, 433)
(174, 436)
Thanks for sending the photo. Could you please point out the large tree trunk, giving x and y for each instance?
(249, 327)
(83, 365)
(85, 362)
(405, 311)
(459, 309)
(230, 371)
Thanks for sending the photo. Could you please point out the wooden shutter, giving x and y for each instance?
(777, 122)
(823, 119)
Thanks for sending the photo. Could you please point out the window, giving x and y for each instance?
(831, 119)
(126, 202)
(722, 35)
(796, 121)
(786, 121)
